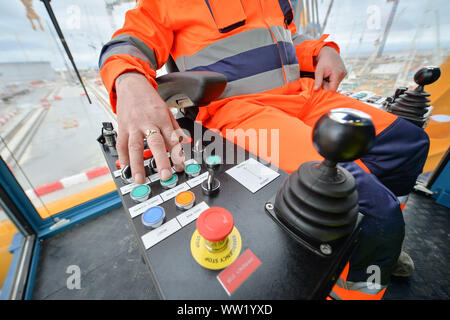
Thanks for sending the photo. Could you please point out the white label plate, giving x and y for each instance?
(252, 174)
(192, 214)
(117, 173)
(197, 180)
(169, 194)
(141, 207)
(157, 235)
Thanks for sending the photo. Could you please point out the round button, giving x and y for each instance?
(140, 193)
(153, 217)
(213, 160)
(117, 164)
(185, 200)
(170, 183)
(215, 224)
(192, 170)
(147, 154)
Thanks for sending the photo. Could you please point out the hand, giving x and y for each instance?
(140, 108)
(329, 65)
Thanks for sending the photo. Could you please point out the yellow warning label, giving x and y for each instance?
(216, 259)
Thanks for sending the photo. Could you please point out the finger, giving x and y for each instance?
(334, 82)
(177, 153)
(136, 149)
(158, 148)
(122, 149)
(318, 78)
(172, 139)
(177, 156)
(178, 130)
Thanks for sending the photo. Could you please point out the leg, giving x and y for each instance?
(382, 229)
(400, 149)
(395, 161)
(289, 147)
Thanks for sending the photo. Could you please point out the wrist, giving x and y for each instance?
(326, 49)
(128, 77)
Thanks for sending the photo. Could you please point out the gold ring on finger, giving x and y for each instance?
(150, 132)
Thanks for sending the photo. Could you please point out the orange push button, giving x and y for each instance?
(185, 200)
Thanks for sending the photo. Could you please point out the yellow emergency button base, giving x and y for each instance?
(216, 259)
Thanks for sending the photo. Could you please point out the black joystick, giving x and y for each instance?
(319, 201)
(413, 105)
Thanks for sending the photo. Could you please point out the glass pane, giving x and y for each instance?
(7, 232)
(383, 44)
(48, 129)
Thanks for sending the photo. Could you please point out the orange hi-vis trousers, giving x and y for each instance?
(292, 111)
(388, 171)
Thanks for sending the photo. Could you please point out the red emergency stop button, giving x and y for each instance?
(215, 224)
(147, 154)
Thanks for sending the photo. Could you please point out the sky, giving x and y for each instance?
(354, 24)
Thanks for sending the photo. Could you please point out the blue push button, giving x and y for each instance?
(153, 217)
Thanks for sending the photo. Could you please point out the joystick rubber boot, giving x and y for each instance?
(413, 105)
(319, 201)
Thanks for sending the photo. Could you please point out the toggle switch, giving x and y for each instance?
(212, 185)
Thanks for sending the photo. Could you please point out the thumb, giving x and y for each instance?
(318, 78)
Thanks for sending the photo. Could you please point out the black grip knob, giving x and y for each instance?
(343, 135)
(427, 75)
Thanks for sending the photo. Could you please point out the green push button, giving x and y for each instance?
(140, 193)
(192, 170)
(213, 160)
(170, 183)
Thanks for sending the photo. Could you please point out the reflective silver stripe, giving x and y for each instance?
(363, 287)
(125, 49)
(334, 295)
(403, 199)
(299, 38)
(237, 44)
(341, 283)
(292, 72)
(281, 34)
(126, 44)
(227, 47)
(254, 84)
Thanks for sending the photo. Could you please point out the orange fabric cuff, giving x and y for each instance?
(119, 64)
(307, 50)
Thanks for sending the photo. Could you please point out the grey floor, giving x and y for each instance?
(111, 267)
(107, 254)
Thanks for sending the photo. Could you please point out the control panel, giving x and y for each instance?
(211, 232)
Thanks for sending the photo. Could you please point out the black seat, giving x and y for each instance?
(189, 90)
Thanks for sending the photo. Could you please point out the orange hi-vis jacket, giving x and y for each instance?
(254, 43)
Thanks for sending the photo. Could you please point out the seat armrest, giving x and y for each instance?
(200, 87)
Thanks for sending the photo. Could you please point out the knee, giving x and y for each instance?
(398, 156)
(380, 206)
(418, 143)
